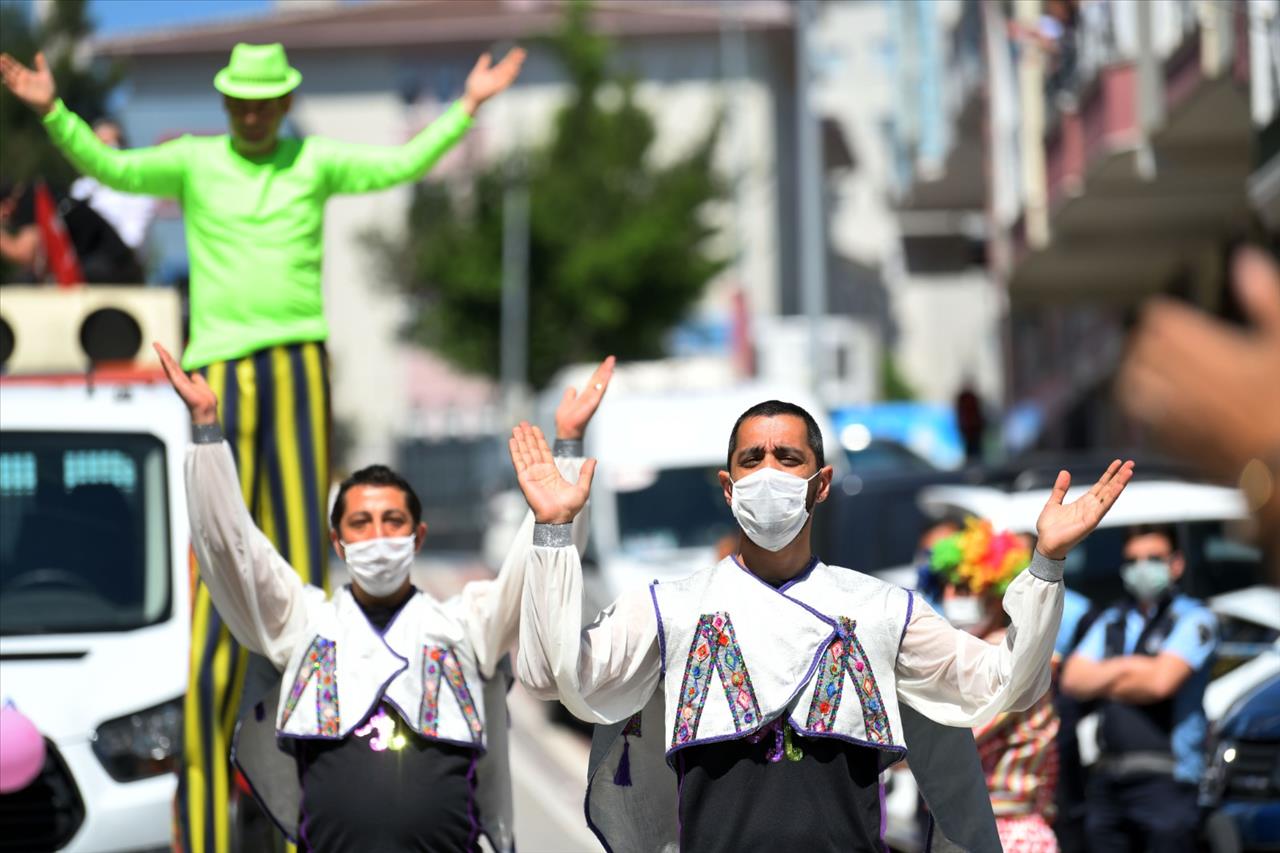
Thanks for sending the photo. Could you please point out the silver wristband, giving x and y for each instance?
(552, 535)
(567, 448)
(206, 433)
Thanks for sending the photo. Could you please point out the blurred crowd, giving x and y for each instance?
(1140, 665)
(86, 232)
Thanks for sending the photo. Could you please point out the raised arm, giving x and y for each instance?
(363, 168)
(493, 607)
(256, 593)
(959, 680)
(151, 171)
(606, 671)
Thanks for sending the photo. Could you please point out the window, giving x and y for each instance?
(84, 532)
(676, 508)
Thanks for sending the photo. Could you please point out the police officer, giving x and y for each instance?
(1146, 662)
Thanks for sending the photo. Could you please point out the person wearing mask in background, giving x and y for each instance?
(779, 688)
(926, 585)
(128, 214)
(1146, 661)
(392, 704)
(1018, 749)
(253, 205)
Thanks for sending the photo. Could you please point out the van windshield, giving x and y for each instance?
(673, 508)
(84, 532)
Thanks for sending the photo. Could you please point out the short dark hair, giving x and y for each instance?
(773, 408)
(375, 475)
(1168, 531)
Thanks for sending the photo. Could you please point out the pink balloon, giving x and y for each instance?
(21, 750)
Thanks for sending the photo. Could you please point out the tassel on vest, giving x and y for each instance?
(622, 776)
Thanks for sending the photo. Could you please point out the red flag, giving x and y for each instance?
(59, 252)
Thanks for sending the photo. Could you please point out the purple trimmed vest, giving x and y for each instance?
(422, 666)
(738, 653)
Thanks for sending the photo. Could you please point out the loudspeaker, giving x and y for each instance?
(69, 330)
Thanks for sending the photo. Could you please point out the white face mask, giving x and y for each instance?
(1146, 580)
(770, 506)
(380, 566)
(964, 611)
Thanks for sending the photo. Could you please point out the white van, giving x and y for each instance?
(95, 577)
(94, 607)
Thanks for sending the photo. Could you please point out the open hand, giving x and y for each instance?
(193, 390)
(487, 79)
(1208, 391)
(34, 87)
(577, 407)
(1062, 527)
(553, 499)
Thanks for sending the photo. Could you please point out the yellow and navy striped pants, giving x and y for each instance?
(274, 406)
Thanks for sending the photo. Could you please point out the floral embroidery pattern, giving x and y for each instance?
(318, 663)
(715, 648)
(440, 661)
(845, 655)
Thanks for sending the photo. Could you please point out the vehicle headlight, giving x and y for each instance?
(142, 744)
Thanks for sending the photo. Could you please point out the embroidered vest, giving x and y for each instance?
(820, 650)
(422, 666)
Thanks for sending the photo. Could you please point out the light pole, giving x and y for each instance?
(812, 242)
(514, 344)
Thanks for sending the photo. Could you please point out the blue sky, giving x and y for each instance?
(116, 17)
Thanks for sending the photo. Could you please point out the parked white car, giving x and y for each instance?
(94, 606)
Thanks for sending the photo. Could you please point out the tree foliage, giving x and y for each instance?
(616, 243)
(25, 151)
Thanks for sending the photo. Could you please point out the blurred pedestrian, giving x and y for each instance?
(1146, 661)
(253, 205)
(128, 214)
(927, 584)
(390, 717)
(1018, 748)
(45, 234)
(1209, 393)
(779, 688)
(972, 423)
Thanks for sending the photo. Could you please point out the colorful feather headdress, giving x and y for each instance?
(979, 559)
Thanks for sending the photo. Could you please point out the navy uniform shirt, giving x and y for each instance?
(1192, 638)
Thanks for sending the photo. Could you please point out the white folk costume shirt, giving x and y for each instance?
(438, 665)
(833, 653)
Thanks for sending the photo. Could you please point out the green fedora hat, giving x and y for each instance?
(257, 72)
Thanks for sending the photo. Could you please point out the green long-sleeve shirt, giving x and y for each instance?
(254, 225)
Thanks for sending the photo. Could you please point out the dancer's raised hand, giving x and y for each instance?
(194, 391)
(577, 407)
(1062, 527)
(34, 87)
(553, 499)
(487, 79)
